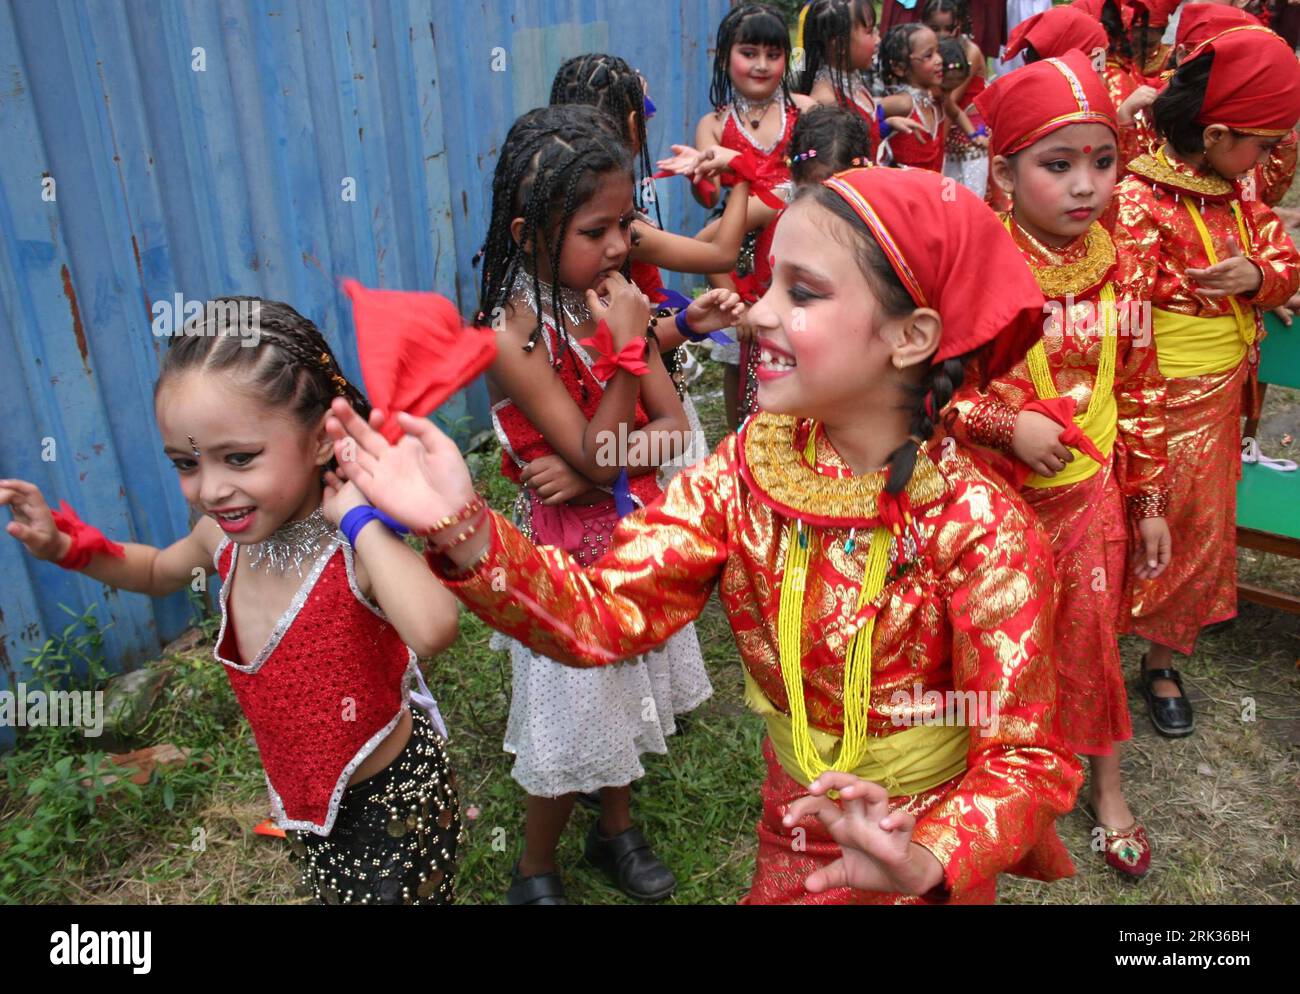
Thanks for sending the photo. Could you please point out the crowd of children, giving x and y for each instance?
(988, 340)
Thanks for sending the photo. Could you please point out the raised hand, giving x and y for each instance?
(33, 524)
(624, 308)
(419, 481)
(718, 308)
(878, 853)
(682, 160)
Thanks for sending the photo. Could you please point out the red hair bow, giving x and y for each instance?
(629, 357)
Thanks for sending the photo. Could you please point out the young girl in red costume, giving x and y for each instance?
(911, 66)
(586, 414)
(753, 111)
(839, 41)
(610, 84)
(319, 640)
(1080, 424)
(1212, 259)
(863, 576)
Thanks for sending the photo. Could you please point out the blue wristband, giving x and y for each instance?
(685, 329)
(362, 515)
(885, 129)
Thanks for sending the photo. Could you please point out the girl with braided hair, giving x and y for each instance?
(870, 574)
(319, 632)
(839, 41)
(754, 112)
(586, 414)
(911, 67)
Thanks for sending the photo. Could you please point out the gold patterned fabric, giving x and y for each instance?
(969, 611)
(1202, 413)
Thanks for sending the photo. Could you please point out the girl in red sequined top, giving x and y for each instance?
(912, 66)
(319, 639)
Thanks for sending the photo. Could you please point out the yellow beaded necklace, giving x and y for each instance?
(854, 744)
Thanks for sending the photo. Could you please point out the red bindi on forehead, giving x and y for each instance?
(1087, 149)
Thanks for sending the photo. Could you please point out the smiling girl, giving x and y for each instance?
(319, 634)
(859, 572)
(912, 67)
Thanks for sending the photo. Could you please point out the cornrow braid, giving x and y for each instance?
(755, 24)
(895, 54)
(609, 83)
(552, 162)
(837, 136)
(281, 356)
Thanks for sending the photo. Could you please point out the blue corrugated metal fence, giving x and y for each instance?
(159, 147)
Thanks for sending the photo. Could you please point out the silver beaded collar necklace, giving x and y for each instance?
(572, 302)
(292, 545)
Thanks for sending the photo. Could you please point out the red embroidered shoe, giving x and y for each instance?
(1128, 850)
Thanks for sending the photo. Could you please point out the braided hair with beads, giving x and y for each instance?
(609, 83)
(280, 355)
(927, 399)
(752, 24)
(553, 160)
(837, 139)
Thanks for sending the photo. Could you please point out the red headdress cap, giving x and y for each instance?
(930, 229)
(1056, 31)
(1254, 83)
(415, 350)
(1035, 100)
(1158, 11)
(1201, 21)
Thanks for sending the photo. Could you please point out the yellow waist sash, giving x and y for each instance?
(1196, 346)
(1193, 346)
(1100, 422)
(905, 763)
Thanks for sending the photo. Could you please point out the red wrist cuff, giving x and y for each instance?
(86, 539)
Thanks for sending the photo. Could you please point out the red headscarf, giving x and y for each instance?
(933, 232)
(1158, 11)
(1029, 103)
(1055, 31)
(1201, 21)
(415, 350)
(1254, 83)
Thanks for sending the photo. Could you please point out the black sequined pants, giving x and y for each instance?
(396, 835)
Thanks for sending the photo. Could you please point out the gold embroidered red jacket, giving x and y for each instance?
(972, 611)
(1074, 276)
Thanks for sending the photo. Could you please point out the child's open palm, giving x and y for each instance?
(419, 481)
(714, 310)
(876, 842)
(33, 524)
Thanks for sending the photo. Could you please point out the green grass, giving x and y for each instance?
(1222, 806)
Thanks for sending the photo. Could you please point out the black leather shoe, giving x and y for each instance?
(630, 864)
(545, 888)
(1172, 716)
